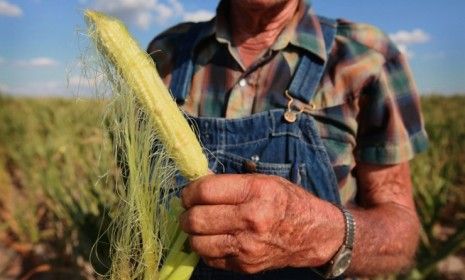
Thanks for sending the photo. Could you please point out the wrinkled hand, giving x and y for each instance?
(250, 223)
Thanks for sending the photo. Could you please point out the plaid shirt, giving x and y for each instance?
(366, 107)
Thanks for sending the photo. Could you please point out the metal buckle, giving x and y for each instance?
(291, 116)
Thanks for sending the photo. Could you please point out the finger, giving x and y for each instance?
(211, 219)
(216, 189)
(214, 246)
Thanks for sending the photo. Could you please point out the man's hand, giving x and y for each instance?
(250, 223)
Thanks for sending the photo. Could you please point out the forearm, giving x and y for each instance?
(386, 237)
(387, 226)
(385, 241)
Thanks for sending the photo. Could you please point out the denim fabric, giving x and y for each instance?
(276, 147)
(265, 143)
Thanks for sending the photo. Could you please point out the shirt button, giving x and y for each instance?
(255, 158)
(242, 83)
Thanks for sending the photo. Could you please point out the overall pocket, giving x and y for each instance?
(232, 163)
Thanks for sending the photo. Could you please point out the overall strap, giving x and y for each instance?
(181, 76)
(310, 69)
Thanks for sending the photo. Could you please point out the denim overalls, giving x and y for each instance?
(265, 142)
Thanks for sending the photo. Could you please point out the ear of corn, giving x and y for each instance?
(139, 72)
(144, 115)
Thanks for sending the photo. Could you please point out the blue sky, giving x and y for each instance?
(40, 40)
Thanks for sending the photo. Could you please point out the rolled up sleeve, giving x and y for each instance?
(391, 127)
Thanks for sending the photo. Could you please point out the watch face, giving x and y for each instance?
(342, 262)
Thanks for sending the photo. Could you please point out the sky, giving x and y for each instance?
(41, 40)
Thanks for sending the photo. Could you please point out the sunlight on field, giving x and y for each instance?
(54, 156)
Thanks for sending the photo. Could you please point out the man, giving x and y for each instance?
(302, 114)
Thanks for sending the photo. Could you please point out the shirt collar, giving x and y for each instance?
(304, 30)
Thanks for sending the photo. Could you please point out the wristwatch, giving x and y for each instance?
(341, 260)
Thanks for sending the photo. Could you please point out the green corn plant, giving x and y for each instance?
(438, 177)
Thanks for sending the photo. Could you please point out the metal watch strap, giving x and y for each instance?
(336, 266)
(349, 237)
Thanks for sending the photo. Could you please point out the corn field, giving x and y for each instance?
(57, 178)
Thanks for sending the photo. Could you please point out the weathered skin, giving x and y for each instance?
(257, 222)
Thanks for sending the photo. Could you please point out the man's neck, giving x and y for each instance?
(255, 26)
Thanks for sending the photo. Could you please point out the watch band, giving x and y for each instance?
(349, 237)
(341, 260)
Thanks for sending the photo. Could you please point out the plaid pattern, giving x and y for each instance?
(366, 107)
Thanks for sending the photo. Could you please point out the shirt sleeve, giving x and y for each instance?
(390, 124)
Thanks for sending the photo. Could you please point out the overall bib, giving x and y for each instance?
(265, 143)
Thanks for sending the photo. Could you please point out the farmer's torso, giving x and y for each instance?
(240, 112)
(278, 141)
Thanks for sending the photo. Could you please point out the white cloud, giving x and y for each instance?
(10, 10)
(416, 36)
(2, 60)
(177, 6)
(200, 15)
(165, 12)
(37, 62)
(139, 12)
(405, 39)
(144, 13)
